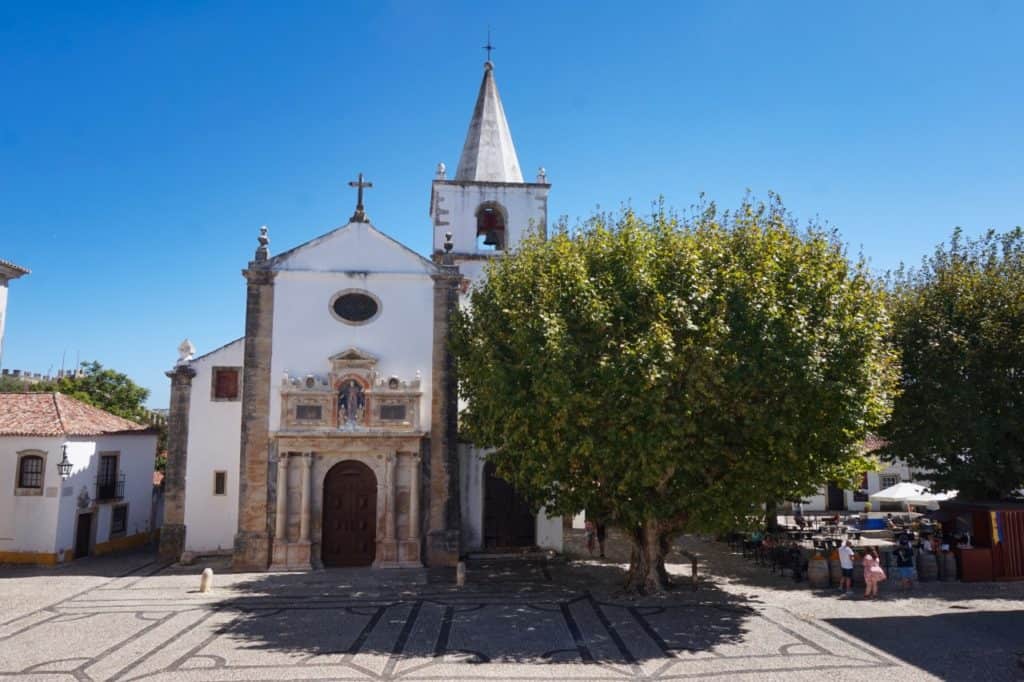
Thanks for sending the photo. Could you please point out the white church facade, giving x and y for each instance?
(327, 434)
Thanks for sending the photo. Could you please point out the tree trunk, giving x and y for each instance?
(647, 574)
(771, 516)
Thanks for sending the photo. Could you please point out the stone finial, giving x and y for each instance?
(442, 171)
(262, 251)
(185, 352)
(542, 175)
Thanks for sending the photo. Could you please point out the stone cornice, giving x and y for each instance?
(181, 372)
(255, 274)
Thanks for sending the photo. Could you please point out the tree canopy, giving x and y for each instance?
(676, 372)
(959, 324)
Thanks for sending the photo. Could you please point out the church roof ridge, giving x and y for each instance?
(284, 255)
(489, 153)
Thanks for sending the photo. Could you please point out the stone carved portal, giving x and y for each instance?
(349, 528)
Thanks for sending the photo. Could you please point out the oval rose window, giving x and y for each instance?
(355, 307)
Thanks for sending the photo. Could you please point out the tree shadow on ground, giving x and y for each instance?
(987, 644)
(539, 611)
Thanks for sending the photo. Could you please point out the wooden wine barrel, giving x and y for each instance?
(817, 571)
(948, 566)
(927, 567)
(858, 572)
(835, 570)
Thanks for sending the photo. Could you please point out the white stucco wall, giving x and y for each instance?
(471, 496)
(214, 444)
(28, 523)
(46, 523)
(136, 457)
(306, 334)
(3, 314)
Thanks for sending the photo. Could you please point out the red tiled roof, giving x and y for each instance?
(55, 414)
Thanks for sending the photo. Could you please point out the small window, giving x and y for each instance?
(30, 472)
(309, 412)
(226, 384)
(392, 412)
(888, 480)
(119, 520)
(220, 483)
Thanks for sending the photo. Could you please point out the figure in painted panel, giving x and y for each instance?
(350, 402)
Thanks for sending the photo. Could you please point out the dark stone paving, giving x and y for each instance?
(531, 620)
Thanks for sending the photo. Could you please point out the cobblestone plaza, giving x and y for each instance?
(133, 618)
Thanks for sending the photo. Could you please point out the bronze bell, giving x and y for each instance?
(492, 239)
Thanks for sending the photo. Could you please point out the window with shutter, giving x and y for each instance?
(226, 383)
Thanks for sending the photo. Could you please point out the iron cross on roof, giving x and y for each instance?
(360, 215)
(488, 46)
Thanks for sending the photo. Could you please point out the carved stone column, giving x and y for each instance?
(307, 501)
(252, 542)
(414, 499)
(281, 520)
(445, 517)
(280, 546)
(172, 535)
(390, 483)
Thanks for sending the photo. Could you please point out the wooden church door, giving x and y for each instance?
(508, 521)
(350, 515)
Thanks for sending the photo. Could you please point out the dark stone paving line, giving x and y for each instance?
(403, 638)
(168, 642)
(577, 636)
(445, 633)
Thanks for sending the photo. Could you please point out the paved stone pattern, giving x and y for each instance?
(515, 620)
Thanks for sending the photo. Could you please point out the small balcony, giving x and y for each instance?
(110, 488)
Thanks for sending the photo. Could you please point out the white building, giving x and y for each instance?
(8, 271)
(104, 503)
(326, 435)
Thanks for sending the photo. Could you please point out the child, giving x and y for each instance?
(873, 573)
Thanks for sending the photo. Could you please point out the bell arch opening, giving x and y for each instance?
(491, 227)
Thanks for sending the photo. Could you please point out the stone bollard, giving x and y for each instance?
(206, 581)
(460, 574)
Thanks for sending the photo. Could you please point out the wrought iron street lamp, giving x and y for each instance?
(64, 465)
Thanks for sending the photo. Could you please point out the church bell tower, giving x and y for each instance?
(487, 207)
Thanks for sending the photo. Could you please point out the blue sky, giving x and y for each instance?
(143, 144)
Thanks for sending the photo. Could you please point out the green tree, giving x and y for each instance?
(676, 373)
(959, 323)
(107, 389)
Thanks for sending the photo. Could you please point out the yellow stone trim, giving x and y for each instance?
(37, 558)
(117, 544)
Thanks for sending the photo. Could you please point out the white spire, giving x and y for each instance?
(489, 155)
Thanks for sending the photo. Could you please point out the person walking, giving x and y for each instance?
(602, 532)
(846, 565)
(590, 531)
(873, 573)
(905, 564)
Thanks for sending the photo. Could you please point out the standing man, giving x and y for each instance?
(905, 564)
(846, 564)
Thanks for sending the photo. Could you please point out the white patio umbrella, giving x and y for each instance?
(910, 493)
